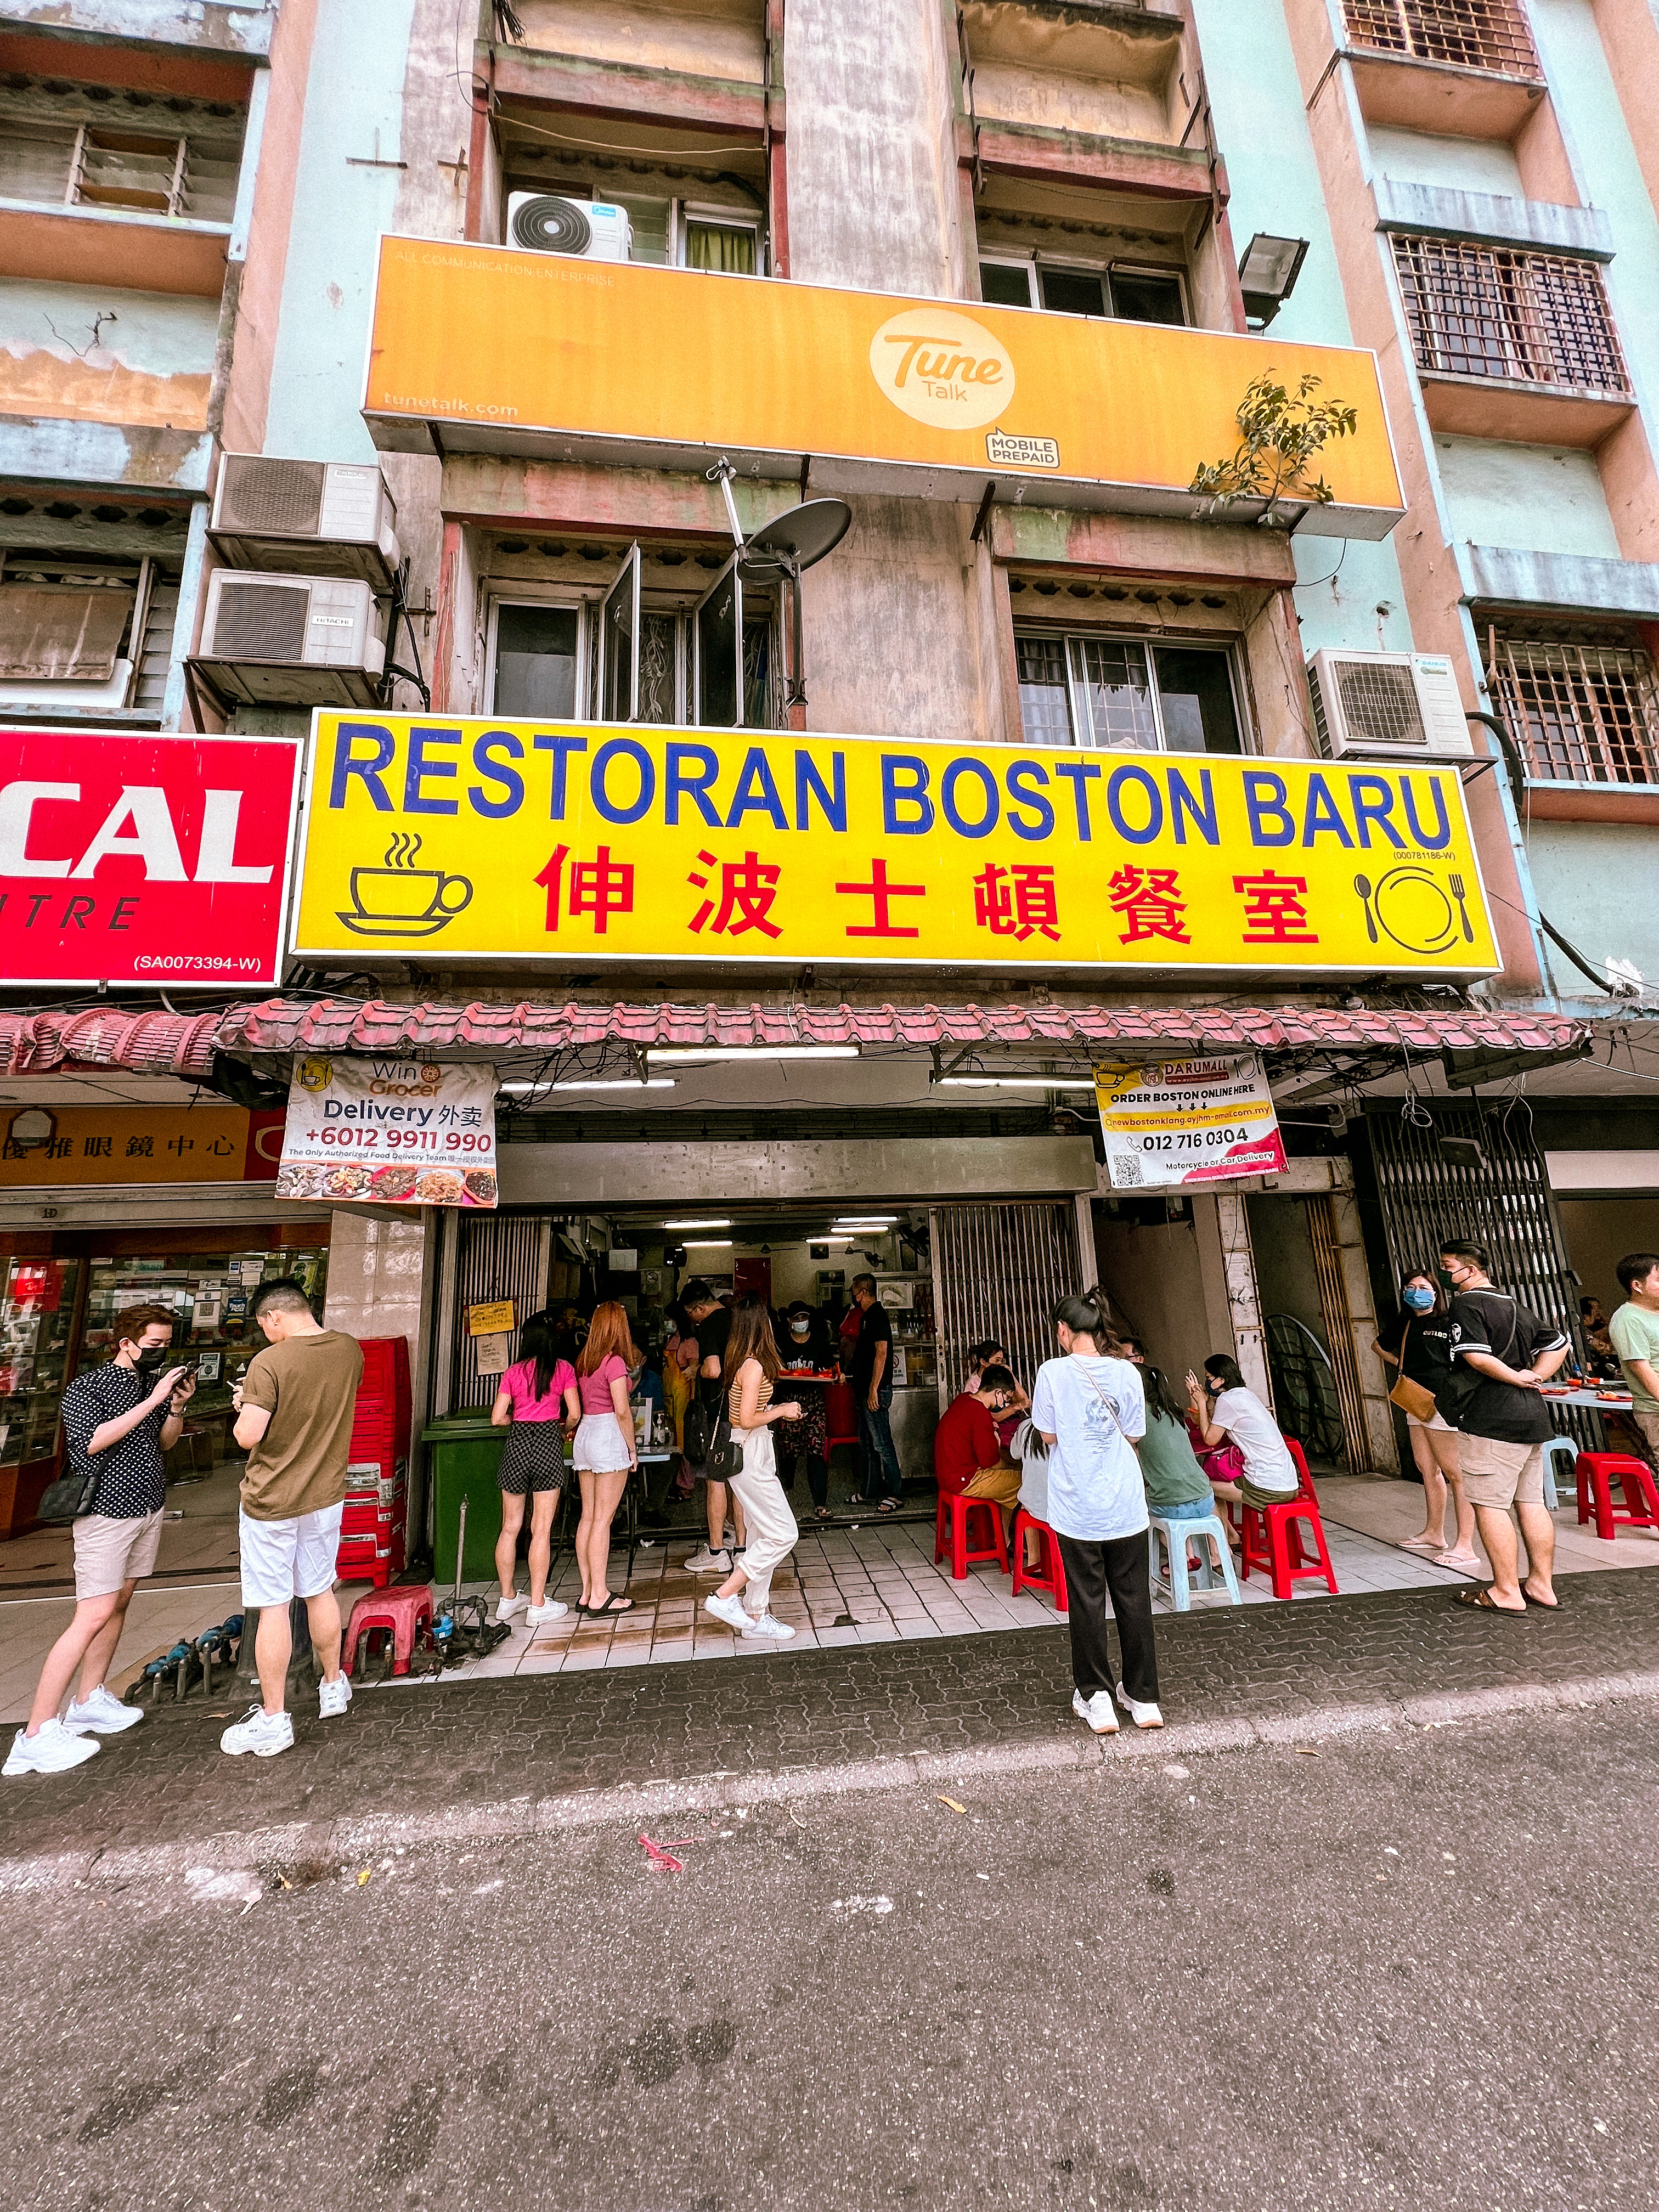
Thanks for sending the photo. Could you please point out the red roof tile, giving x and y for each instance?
(107, 1037)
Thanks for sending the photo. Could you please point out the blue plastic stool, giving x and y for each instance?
(1569, 1452)
(1176, 1535)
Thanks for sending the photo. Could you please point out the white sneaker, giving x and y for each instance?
(768, 1626)
(507, 1606)
(332, 1698)
(1095, 1711)
(51, 1750)
(101, 1714)
(705, 1561)
(553, 1610)
(731, 1611)
(262, 1733)
(1146, 1716)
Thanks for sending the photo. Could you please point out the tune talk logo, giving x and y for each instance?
(942, 368)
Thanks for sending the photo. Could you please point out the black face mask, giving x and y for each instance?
(152, 1358)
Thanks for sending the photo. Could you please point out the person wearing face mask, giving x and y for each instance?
(1419, 1351)
(118, 1421)
(1225, 1410)
(803, 1347)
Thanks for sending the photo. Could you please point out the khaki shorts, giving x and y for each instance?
(999, 1483)
(1649, 1425)
(108, 1552)
(1500, 1475)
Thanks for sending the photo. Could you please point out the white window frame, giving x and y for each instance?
(584, 610)
(686, 212)
(1037, 261)
(1154, 268)
(1025, 261)
(1076, 702)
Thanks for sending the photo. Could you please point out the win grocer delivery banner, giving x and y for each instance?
(491, 840)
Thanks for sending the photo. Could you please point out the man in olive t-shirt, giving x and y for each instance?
(294, 1406)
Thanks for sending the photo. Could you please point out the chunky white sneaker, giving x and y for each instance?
(1095, 1711)
(507, 1606)
(768, 1626)
(730, 1610)
(705, 1561)
(51, 1750)
(101, 1714)
(332, 1697)
(553, 1609)
(1147, 1716)
(262, 1733)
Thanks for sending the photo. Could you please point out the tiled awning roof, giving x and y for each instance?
(105, 1036)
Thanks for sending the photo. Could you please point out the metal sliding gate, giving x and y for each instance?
(487, 1256)
(998, 1270)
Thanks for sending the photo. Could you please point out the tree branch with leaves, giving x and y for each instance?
(1282, 435)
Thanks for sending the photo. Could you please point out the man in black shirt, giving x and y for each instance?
(1505, 1424)
(118, 1421)
(872, 1393)
(711, 1324)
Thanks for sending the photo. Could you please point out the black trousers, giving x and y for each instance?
(1122, 1569)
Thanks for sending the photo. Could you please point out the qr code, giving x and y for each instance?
(1126, 1171)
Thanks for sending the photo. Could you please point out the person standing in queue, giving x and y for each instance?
(1419, 1350)
(744, 1600)
(603, 1453)
(1089, 1409)
(803, 1347)
(872, 1391)
(538, 1397)
(711, 1325)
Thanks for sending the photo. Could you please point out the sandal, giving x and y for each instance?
(1422, 1544)
(1481, 1600)
(1539, 1602)
(823, 1514)
(887, 1505)
(614, 1603)
(1461, 1563)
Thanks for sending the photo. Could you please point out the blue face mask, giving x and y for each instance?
(1420, 1300)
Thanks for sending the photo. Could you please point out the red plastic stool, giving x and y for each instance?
(1052, 1575)
(1597, 1471)
(399, 1610)
(957, 1510)
(841, 1418)
(1272, 1535)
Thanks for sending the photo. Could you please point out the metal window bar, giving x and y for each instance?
(1525, 318)
(1338, 1318)
(497, 1255)
(1481, 34)
(999, 1270)
(1578, 713)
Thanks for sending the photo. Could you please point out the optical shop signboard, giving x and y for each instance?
(1186, 1121)
(389, 1132)
(473, 840)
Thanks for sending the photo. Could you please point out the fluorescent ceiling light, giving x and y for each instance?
(696, 1224)
(1018, 1082)
(687, 1055)
(709, 1243)
(866, 1220)
(591, 1083)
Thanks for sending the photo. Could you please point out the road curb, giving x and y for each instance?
(323, 1845)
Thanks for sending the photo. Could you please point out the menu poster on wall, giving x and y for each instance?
(389, 1132)
(1177, 1122)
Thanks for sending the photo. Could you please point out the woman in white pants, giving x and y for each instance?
(743, 1601)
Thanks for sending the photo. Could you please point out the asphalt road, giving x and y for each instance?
(1413, 1970)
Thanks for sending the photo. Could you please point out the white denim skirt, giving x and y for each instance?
(600, 1446)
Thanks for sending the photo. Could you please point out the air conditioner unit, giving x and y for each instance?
(588, 230)
(314, 518)
(294, 641)
(1388, 705)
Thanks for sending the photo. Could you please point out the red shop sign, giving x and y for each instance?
(130, 859)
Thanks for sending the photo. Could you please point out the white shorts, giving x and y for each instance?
(282, 1560)
(600, 1447)
(1436, 1420)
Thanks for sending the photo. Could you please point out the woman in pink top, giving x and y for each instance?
(605, 1451)
(537, 1397)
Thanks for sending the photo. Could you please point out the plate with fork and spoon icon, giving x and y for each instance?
(1410, 907)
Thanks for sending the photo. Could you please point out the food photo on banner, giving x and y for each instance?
(1183, 1122)
(688, 844)
(389, 1132)
(126, 858)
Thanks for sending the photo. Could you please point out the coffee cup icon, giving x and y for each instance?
(393, 901)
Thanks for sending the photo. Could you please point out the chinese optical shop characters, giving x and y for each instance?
(501, 839)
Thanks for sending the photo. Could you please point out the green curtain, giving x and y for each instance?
(711, 246)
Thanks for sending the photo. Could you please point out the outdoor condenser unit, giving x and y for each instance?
(309, 640)
(324, 517)
(588, 230)
(1388, 705)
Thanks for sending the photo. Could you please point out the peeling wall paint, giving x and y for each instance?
(98, 356)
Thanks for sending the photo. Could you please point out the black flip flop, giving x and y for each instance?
(1538, 1604)
(887, 1505)
(614, 1604)
(1480, 1601)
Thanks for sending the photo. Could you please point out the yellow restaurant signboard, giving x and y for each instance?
(509, 351)
(474, 839)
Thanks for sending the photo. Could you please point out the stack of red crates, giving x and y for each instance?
(373, 1535)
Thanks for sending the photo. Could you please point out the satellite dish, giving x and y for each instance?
(795, 541)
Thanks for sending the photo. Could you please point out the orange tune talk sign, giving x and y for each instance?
(509, 351)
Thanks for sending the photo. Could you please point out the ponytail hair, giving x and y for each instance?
(1089, 1316)
(1160, 1400)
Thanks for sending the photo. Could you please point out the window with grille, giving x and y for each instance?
(1494, 311)
(545, 666)
(96, 146)
(1482, 35)
(1124, 694)
(1580, 712)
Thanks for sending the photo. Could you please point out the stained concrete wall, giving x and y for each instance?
(92, 354)
(1463, 165)
(1587, 876)
(1542, 499)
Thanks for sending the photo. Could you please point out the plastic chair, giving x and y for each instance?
(1597, 1471)
(841, 1417)
(1272, 1535)
(958, 1511)
(1563, 1447)
(1051, 1576)
(399, 1610)
(1176, 1535)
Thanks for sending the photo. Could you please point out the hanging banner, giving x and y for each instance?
(389, 1132)
(481, 840)
(1185, 1121)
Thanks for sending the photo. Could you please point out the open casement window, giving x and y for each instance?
(717, 670)
(536, 660)
(1127, 694)
(723, 243)
(619, 645)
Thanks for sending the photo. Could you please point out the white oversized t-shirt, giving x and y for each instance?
(1253, 1430)
(1094, 1409)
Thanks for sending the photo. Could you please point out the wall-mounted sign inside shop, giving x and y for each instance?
(494, 350)
(484, 839)
(1184, 1121)
(389, 1132)
(110, 1144)
(130, 859)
